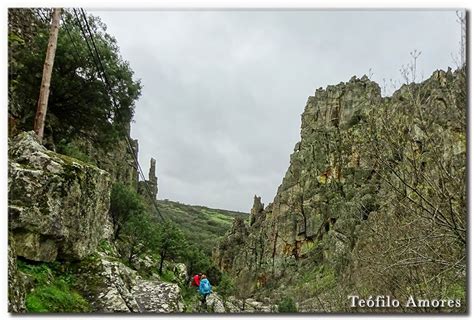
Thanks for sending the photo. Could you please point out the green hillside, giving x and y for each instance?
(202, 226)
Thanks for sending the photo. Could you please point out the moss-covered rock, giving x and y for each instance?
(106, 282)
(58, 206)
(111, 286)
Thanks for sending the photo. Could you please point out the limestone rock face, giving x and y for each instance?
(144, 264)
(331, 186)
(113, 287)
(107, 284)
(181, 272)
(300, 216)
(118, 160)
(227, 250)
(58, 206)
(16, 286)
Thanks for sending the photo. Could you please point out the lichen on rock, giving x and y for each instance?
(111, 286)
(337, 177)
(58, 206)
(16, 286)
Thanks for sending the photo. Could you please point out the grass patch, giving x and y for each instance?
(53, 289)
(106, 247)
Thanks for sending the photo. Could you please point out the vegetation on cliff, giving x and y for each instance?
(374, 200)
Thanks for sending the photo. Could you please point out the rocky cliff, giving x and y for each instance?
(58, 206)
(324, 163)
(60, 229)
(360, 155)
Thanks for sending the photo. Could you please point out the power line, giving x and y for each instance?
(43, 16)
(98, 56)
(102, 73)
(88, 45)
(107, 83)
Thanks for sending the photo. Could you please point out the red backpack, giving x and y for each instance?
(196, 281)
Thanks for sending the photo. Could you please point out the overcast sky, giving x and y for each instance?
(223, 91)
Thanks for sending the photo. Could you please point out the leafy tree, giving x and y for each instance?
(139, 233)
(124, 203)
(169, 242)
(80, 104)
(197, 261)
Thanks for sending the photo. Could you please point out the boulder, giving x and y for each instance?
(234, 305)
(181, 272)
(216, 303)
(157, 297)
(111, 286)
(144, 264)
(106, 282)
(58, 206)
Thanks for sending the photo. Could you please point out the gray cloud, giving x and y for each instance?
(224, 90)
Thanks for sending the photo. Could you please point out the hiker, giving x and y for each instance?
(205, 289)
(196, 280)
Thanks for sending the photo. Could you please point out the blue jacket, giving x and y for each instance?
(205, 287)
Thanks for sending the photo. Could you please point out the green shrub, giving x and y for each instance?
(168, 276)
(40, 274)
(105, 247)
(286, 305)
(226, 286)
(73, 151)
(190, 297)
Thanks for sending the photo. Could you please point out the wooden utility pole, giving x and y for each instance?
(47, 71)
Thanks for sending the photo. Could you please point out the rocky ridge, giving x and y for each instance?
(290, 228)
(331, 187)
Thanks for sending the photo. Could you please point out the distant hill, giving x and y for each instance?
(203, 226)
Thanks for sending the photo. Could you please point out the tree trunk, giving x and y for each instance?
(132, 251)
(162, 258)
(47, 71)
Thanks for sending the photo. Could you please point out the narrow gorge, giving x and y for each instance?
(373, 205)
